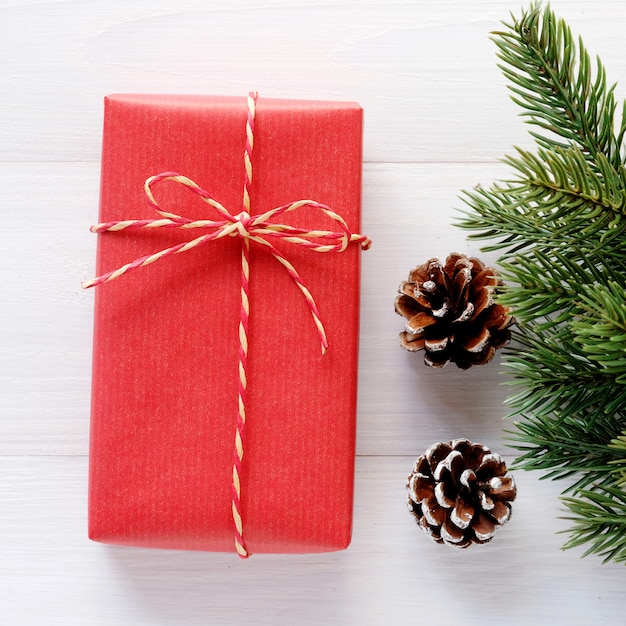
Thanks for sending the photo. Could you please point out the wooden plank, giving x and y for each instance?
(51, 574)
(424, 71)
(45, 351)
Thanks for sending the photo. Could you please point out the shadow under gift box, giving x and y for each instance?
(165, 367)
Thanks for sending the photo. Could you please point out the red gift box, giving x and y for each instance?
(166, 337)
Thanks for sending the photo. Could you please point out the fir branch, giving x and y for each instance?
(553, 80)
(567, 456)
(619, 444)
(548, 287)
(602, 332)
(558, 198)
(556, 382)
(559, 223)
(568, 405)
(599, 518)
(566, 172)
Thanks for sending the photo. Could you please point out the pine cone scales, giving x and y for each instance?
(451, 314)
(460, 492)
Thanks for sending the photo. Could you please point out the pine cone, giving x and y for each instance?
(451, 313)
(459, 493)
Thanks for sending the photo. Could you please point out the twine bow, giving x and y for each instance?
(258, 228)
(249, 227)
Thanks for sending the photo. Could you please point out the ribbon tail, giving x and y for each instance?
(151, 258)
(291, 270)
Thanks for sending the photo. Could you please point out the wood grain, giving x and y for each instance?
(438, 118)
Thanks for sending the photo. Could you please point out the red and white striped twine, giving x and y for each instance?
(240, 545)
(255, 228)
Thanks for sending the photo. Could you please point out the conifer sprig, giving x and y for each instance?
(553, 79)
(599, 518)
(559, 223)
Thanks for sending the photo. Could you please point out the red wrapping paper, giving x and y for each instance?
(164, 397)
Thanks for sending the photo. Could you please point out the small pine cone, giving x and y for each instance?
(459, 493)
(451, 314)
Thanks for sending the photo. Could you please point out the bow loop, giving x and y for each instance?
(256, 227)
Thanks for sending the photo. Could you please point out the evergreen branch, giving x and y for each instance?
(552, 79)
(619, 444)
(559, 290)
(570, 410)
(557, 382)
(599, 518)
(602, 332)
(562, 394)
(565, 171)
(521, 217)
(496, 216)
(564, 448)
(559, 223)
(558, 198)
(548, 287)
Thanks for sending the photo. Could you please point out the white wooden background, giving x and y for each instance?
(437, 119)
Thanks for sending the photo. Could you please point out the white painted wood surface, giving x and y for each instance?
(437, 120)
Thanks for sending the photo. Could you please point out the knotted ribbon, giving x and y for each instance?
(258, 228)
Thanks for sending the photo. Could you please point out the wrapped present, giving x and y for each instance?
(226, 324)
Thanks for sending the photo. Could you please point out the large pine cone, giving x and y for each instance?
(451, 314)
(459, 493)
